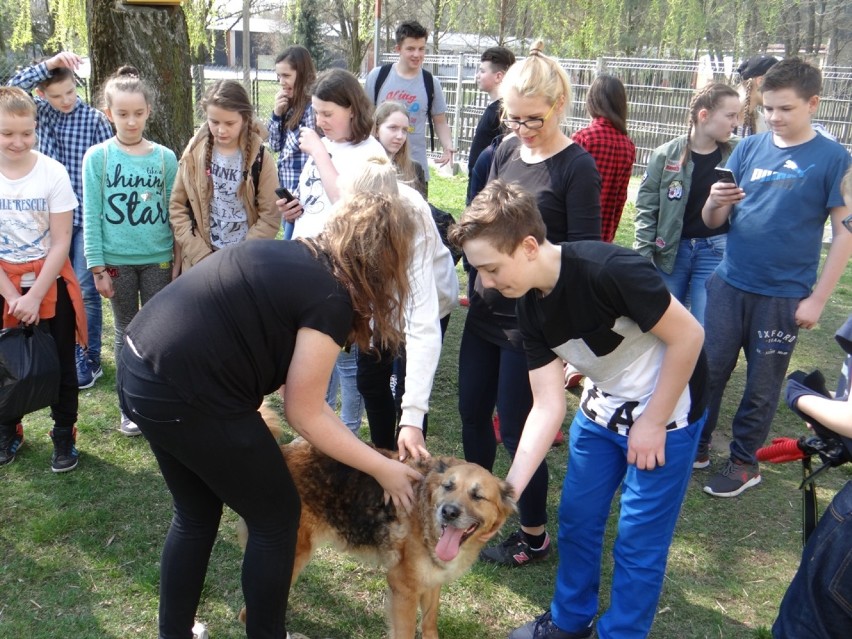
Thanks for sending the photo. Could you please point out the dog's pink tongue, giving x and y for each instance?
(448, 544)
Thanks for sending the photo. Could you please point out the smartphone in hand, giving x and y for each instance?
(725, 175)
(281, 192)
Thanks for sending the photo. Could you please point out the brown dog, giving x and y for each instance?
(458, 508)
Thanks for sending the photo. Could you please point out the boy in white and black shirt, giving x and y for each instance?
(606, 310)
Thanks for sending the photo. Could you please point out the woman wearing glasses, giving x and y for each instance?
(492, 365)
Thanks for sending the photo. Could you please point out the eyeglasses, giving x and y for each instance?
(531, 124)
(847, 222)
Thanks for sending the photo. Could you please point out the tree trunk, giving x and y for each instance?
(155, 41)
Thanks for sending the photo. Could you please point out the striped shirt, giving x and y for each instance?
(65, 137)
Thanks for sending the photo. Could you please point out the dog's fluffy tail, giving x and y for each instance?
(273, 422)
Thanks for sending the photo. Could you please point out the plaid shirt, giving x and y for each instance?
(614, 155)
(291, 159)
(65, 137)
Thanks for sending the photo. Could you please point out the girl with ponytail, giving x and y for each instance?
(669, 228)
(127, 181)
(492, 365)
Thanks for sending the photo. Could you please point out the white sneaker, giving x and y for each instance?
(199, 631)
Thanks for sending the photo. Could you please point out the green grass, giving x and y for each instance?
(79, 552)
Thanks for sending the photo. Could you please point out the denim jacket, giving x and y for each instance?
(661, 202)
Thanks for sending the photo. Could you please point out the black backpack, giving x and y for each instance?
(428, 83)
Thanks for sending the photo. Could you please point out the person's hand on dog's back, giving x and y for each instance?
(411, 443)
(397, 479)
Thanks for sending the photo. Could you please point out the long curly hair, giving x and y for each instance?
(368, 242)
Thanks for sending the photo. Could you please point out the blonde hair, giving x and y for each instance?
(15, 101)
(538, 76)
(402, 159)
(376, 175)
(368, 242)
(749, 123)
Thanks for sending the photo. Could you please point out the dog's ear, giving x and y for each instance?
(440, 466)
(507, 495)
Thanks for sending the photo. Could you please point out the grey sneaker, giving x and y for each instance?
(702, 456)
(544, 628)
(127, 427)
(199, 630)
(736, 477)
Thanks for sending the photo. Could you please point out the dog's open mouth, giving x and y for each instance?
(451, 540)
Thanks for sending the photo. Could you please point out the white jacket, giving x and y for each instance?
(434, 293)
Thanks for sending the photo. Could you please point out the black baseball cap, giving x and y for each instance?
(756, 66)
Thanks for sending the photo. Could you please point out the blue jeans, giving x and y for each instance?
(91, 297)
(695, 262)
(650, 505)
(345, 377)
(818, 603)
(765, 328)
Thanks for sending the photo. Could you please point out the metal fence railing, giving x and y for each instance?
(658, 94)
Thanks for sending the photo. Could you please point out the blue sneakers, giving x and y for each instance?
(88, 372)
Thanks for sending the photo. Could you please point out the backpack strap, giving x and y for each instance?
(384, 72)
(256, 167)
(429, 83)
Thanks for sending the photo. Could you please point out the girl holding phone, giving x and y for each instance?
(669, 228)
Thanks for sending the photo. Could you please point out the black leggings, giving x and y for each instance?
(208, 461)
(383, 405)
(489, 376)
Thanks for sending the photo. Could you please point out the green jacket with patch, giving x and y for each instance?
(661, 202)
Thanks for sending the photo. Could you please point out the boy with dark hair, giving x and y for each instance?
(494, 63)
(66, 128)
(407, 82)
(763, 291)
(605, 309)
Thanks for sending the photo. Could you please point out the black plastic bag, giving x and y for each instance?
(29, 371)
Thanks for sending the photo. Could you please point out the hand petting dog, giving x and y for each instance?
(412, 444)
